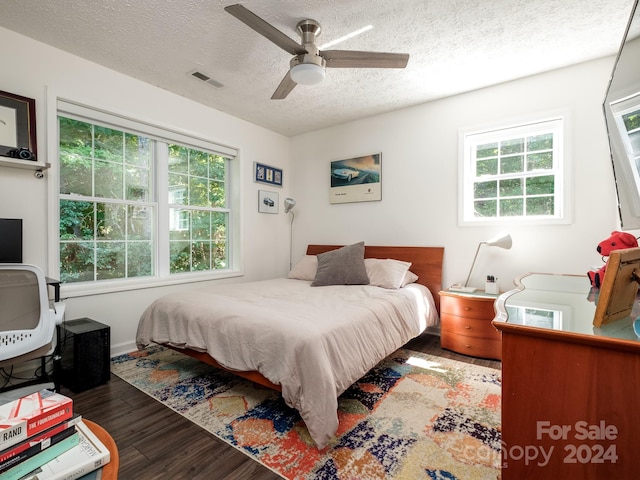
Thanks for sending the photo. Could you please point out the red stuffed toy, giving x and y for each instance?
(617, 241)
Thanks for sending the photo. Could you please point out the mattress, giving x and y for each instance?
(312, 341)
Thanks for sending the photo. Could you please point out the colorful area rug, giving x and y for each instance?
(413, 416)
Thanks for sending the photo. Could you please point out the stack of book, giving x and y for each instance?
(42, 439)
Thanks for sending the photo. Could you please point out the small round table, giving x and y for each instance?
(110, 470)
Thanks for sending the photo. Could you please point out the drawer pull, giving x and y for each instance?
(467, 308)
(468, 346)
(468, 327)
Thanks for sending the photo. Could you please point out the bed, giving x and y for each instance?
(308, 342)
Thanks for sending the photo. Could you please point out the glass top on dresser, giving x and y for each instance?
(564, 303)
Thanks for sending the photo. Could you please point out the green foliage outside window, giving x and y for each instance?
(632, 120)
(632, 125)
(108, 210)
(512, 177)
(197, 235)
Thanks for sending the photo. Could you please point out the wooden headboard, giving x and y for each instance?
(426, 262)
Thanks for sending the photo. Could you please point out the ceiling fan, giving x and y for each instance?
(307, 67)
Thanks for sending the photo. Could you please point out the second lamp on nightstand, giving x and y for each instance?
(465, 324)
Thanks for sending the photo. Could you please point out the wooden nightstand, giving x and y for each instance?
(465, 324)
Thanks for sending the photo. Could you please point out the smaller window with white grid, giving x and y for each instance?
(513, 174)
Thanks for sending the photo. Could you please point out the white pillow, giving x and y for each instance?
(409, 277)
(386, 273)
(305, 269)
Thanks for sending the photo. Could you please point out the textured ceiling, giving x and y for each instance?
(454, 45)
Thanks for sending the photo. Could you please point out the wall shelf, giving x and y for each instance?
(24, 164)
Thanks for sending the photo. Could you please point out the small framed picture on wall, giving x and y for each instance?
(267, 201)
(267, 174)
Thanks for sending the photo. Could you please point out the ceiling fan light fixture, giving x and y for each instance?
(307, 67)
(307, 73)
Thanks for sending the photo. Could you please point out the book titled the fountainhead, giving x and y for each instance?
(32, 414)
(40, 441)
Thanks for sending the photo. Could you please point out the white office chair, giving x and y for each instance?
(27, 323)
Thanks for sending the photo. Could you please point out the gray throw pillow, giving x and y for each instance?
(344, 266)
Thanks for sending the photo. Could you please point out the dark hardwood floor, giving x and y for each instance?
(155, 442)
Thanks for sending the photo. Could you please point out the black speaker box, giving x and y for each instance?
(84, 354)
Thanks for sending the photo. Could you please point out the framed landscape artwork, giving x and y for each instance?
(356, 179)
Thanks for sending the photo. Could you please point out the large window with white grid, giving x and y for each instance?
(140, 202)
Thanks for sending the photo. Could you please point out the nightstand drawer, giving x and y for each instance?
(472, 327)
(470, 307)
(465, 325)
(473, 346)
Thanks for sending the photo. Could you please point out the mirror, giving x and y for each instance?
(622, 116)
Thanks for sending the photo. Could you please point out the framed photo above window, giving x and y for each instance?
(356, 179)
(17, 127)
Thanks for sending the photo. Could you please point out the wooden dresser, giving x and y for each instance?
(570, 391)
(465, 324)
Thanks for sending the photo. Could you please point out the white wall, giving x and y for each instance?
(35, 70)
(419, 148)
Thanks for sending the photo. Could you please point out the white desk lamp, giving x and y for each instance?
(503, 240)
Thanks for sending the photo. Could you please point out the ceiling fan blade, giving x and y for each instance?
(265, 29)
(284, 89)
(355, 59)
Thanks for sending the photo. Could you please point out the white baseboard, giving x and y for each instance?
(122, 348)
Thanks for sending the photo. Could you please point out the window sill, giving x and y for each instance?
(511, 221)
(85, 289)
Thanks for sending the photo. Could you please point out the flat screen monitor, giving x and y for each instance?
(10, 240)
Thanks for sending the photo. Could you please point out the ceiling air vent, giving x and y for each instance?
(206, 79)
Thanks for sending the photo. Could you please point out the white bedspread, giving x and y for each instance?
(312, 341)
